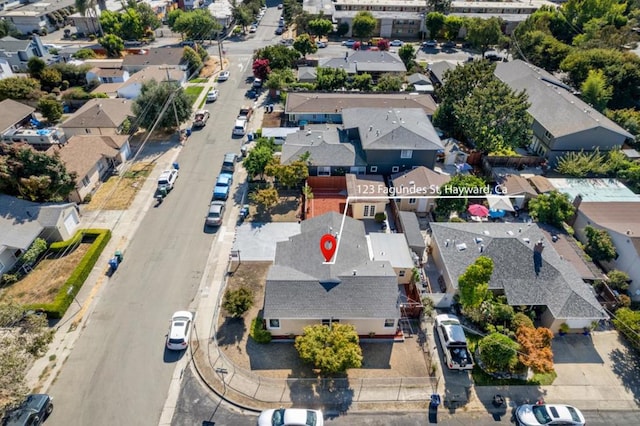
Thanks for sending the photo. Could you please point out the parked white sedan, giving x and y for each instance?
(178, 337)
(548, 414)
(224, 76)
(291, 417)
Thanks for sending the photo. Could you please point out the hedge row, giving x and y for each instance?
(65, 297)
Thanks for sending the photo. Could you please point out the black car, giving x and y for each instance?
(33, 411)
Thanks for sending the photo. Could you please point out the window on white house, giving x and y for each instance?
(412, 200)
(374, 169)
(369, 211)
(389, 323)
(406, 153)
(85, 181)
(330, 321)
(324, 171)
(401, 273)
(274, 323)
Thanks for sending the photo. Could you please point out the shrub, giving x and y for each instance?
(380, 217)
(8, 279)
(521, 320)
(457, 219)
(258, 333)
(237, 302)
(32, 254)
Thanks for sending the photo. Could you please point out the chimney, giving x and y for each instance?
(355, 272)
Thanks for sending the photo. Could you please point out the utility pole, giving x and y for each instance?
(220, 51)
(175, 111)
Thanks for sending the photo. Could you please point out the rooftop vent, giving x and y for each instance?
(355, 272)
(461, 247)
(510, 232)
(481, 248)
(526, 240)
(413, 183)
(485, 232)
(479, 240)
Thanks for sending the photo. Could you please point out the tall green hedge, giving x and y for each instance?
(64, 298)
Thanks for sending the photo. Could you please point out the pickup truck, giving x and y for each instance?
(245, 113)
(201, 118)
(454, 342)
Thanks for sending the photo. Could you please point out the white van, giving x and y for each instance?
(240, 128)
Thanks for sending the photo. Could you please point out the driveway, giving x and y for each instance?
(257, 241)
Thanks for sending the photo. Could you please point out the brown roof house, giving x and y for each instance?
(22, 221)
(14, 115)
(517, 188)
(309, 107)
(528, 270)
(92, 158)
(367, 194)
(99, 117)
(418, 188)
(157, 56)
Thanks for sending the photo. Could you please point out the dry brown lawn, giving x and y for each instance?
(119, 191)
(42, 284)
(273, 119)
(211, 66)
(287, 210)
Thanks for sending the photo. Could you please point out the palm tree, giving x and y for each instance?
(88, 8)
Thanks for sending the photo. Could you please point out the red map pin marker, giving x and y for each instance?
(328, 245)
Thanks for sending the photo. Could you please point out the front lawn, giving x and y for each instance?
(193, 92)
(118, 192)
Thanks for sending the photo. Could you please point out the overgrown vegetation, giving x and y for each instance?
(237, 302)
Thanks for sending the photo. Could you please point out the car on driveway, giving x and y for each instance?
(291, 417)
(212, 96)
(548, 414)
(321, 44)
(430, 44)
(279, 30)
(180, 330)
(349, 43)
(224, 76)
(257, 83)
(223, 186)
(396, 43)
(216, 213)
(33, 411)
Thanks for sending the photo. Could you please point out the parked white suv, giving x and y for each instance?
(167, 179)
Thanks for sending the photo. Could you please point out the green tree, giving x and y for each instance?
(320, 27)
(196, 24)
(113, 44)
(331, 349)
(304, 45)
(279, 56)
(595, 91)
(33, 175)
(51, 109)
(389, 83)
(473, 284)
(458, 83)
(459, 184)
(74, 74)
(242, 15)
(19, 88)
(498, 353)
(580, 12)
(621, 71)
(618, 280)
(7, 28)
(265, 198)
(363, 25)
(84, 53)
(331, 78)
(237, 302)
(280, 79)
(553, 208)
(257, 160)
(50, 78)
(542, 49)
(599, 244)
(288, 175)
(495, 117)
(150, 106)
(452, 26)
(343, 29)
(172, 17)
(363, 82)
(582, 164)
(627, 322)
(148, 17)
(435, 23)
(483, 33)
(628, 119)
(193, 59)
(407, 53)
(35, 66)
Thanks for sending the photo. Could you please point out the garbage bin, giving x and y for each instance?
(249, 137)
(113, 264)
(188, 131)
(176, 166)
(433, 408)
(118, 255)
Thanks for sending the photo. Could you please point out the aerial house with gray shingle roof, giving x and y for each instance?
(301, 289)
(544, 280)
(562, 122)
